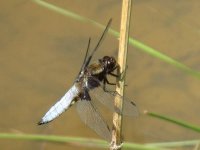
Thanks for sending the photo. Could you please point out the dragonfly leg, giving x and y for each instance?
(114, 75)
(122, 75)
(104, 84)
(105, 81)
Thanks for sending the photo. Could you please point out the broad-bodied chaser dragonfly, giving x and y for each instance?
(91, 84)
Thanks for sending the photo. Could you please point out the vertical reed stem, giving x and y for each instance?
(122, 57)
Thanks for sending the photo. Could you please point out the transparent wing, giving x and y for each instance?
(92, 118)
(107, 98)
(98, 44)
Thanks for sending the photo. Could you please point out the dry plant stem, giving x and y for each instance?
(122, 56)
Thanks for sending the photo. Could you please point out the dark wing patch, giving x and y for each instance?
(85, 95)
(92, 82)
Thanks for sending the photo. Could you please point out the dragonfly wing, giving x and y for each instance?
(60, 106)
(107, 98)
(92, 118)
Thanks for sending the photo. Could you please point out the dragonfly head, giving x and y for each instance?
(109, 63)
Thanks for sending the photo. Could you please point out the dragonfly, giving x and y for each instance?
(91, 83)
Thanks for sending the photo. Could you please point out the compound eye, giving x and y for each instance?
(111, 63)
(112, 60)
(108, 62)
(105, 58)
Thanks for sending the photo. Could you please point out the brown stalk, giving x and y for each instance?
(122, 58)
